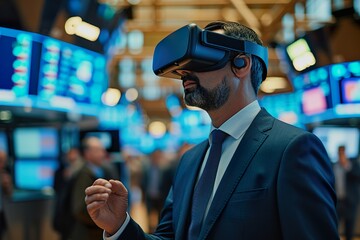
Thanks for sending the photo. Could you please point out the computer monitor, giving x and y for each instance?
(335, 136)
(36, 157)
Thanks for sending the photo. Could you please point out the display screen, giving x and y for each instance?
(72, 72)
(285, 107)
(345, 79)
(350, 90)
(314, 101)
(53, 73)
(36, 157)
(315, 91)
(18, 53)
(33, 174)
(36, 143)
(333, 137)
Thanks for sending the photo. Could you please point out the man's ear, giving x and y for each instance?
(241, 65)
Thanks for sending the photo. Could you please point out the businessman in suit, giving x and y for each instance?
(347, 186)
(274, 181)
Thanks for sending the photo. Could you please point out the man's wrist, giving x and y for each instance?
(116, 228)
(117, 232)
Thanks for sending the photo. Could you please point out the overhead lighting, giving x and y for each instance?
(135, 41)
(131, 94)
(75, 25)
(300, 54)
(111, 97)
(157, 129)
(271, 84)
(5, 115)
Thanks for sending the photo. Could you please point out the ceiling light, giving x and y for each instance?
(111, 97)
(5, 115)
(157, 129)
(271, 84)
(300, 54)
(75, 25)
(131, 94)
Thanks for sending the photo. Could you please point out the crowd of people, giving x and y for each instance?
(152, 175)
(82, 165)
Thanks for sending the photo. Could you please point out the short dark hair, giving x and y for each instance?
(85, 144)
(240, 31)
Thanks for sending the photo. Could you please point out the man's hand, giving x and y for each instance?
(107, 202)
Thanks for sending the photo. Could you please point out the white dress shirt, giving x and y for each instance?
(235, 127)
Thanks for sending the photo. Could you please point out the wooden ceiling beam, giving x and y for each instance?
(266, 2)
(247, 15)
(191, 3)
(270, 27)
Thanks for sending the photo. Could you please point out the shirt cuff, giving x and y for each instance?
(119, 232)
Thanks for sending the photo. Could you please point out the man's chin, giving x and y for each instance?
(188, 100)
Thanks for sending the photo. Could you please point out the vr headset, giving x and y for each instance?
(195, 49)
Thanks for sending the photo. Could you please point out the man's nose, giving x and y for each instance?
(183, 72)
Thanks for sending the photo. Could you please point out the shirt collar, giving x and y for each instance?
(96, 170)
(239, 122)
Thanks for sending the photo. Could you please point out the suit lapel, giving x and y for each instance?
(249, 145)
(191, 168)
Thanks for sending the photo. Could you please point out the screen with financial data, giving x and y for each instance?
(36, 157)
(71, 72)
(19, 62)
(334, 136)
(315, 91)
(329, 92)
(53, 74)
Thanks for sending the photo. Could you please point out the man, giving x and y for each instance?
(347, 186)
(95, 166)
(274, 181)
(63, 181)
(152, 179)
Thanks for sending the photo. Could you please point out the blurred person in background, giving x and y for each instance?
(63, 180)
(6, 188)
(152, 180)
(95, 166)
(347, 186)
(71, 163)
(169, 172)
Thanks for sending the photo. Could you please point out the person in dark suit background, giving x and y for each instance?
(274, 181)
(63, 181)
(95, 166)
(347, 179)
(152, 181)
(170, 170)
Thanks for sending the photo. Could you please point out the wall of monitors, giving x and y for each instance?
(325, 93)
(49, 73)
(284, 106)
(36, 157)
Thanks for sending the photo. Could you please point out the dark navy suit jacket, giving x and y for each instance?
(278, 185)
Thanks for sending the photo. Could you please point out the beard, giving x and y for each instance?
(203, 98)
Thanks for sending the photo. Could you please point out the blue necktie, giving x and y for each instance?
(204, 187)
